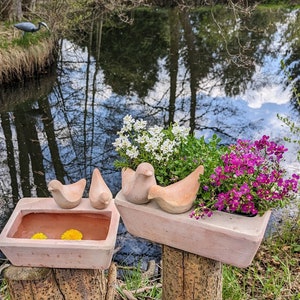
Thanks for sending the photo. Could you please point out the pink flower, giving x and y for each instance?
(250, 179)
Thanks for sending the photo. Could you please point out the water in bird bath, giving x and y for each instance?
(53, 225)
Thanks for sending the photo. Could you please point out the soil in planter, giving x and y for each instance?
(53, 225)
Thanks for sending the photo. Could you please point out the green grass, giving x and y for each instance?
(12, 37)
(4, 295)
(135, 284)
(29, 39)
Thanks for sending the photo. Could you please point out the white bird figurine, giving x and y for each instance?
(178, 197)
(67, 195)
(136, 184)
(99, 194)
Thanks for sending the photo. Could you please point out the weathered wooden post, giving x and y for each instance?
(32, 283)
(193, 251)
(190, 276)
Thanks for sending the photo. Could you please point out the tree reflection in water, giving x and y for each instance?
(204, 69)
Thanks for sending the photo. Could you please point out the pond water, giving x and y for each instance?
(214, 71)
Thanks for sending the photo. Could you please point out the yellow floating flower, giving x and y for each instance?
(71, 234)
(39, 236)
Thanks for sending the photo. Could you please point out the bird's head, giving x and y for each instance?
(44, 24)
(145, 169)
(54, 185)
(106, 197)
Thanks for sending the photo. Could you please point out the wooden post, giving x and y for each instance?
(189, 276)
(31, 283)
(26, 283)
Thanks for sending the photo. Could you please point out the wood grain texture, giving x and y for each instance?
(189, 276)
(26, 283)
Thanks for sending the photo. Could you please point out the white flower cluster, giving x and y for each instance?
(134, 140)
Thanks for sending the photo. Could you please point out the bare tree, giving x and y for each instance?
(11, 10)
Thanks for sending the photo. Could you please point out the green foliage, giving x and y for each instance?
(210, 153)
(29, 39)
(139, 286)
(295, 131)
(278, 2)
(192, 153)
(173, 152)
(293, 126)
(4, 294)
(232, 290)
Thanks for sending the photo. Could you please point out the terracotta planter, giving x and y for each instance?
(32, 215)
(228, 238)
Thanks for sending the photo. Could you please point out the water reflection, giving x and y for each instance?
(207, 70)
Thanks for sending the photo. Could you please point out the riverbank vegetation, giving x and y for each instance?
(26, 56)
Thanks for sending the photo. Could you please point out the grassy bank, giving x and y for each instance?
(23, 56)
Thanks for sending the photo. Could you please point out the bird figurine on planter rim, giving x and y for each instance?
(99, 194)
(178, 197)
(67, 195)
(136, 184)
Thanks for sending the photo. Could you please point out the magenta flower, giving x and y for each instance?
(250, 180)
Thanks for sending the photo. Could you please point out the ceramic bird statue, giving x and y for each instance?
(178, 197)
(67, 195)
(135, 184)
(99, 194)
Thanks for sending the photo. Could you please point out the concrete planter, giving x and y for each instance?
(32, 215)
(228, 238)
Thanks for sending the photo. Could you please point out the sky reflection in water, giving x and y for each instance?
(87, 111)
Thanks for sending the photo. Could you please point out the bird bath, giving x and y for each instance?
(43, 222)
(33, 215)
(228, 238)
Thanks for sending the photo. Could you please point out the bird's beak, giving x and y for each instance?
(148, 173)
(45, 25)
